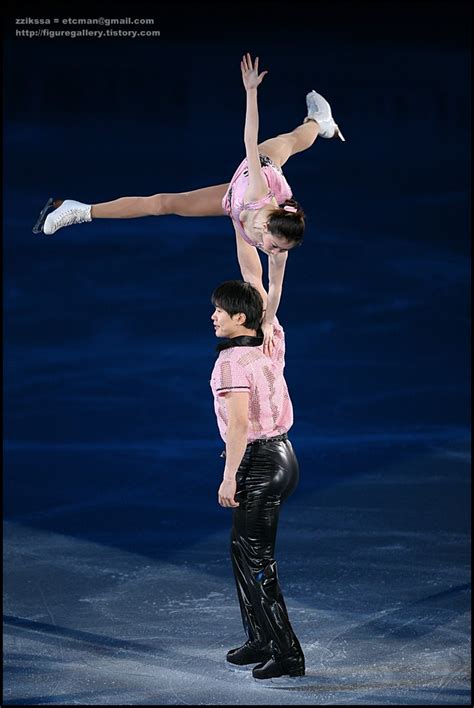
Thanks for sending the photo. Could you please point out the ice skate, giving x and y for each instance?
(249, 653)
(50, 204)
(65, 213)
(320, 111)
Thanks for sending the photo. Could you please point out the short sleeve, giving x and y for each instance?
(231, 376)
(278, 354)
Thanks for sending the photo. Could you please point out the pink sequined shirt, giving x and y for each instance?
(248, 369)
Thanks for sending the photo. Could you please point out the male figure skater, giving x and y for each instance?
(254, 413)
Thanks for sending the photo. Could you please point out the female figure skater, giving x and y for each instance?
(258, 198)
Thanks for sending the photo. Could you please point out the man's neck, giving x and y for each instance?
(244, 332)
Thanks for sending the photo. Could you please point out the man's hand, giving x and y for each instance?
(226, 493)
(250, 75)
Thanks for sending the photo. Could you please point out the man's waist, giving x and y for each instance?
(262, 441)
(274, 438)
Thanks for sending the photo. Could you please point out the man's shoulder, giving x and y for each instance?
(278, 332)
(240, 356)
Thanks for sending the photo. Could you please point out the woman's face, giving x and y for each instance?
(272, 244)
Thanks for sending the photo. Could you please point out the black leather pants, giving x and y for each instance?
(267, 475)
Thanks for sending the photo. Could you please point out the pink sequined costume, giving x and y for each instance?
(249, 369)
(233, 200)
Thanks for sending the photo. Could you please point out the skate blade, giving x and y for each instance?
(340, 135)
(285, 681)
(239, 668)
(50, 204)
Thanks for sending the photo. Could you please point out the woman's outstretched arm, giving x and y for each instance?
(276, 273)
(258, 186)
(252, 272)
(250, 266)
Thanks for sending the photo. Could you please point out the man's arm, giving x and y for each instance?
(236, 442)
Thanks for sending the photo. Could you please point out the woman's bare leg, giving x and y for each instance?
(199, 202)
(282, 147)
(207, 201)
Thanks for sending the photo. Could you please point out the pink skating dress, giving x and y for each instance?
(233, 200)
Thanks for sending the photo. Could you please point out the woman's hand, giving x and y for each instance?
(227, 492)
(267, 329)
(250, 75)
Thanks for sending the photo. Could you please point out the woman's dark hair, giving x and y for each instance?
(235, 296)
(287, 223)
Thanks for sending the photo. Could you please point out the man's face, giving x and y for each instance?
(224, 324)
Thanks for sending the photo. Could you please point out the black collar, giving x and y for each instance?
(243, 341)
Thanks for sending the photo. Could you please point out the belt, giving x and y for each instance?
(262, 441)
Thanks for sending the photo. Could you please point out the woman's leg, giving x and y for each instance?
(282, 147)
(199, 202)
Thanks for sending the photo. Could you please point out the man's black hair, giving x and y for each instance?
(236, 296)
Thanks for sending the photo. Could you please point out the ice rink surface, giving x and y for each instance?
(118, 586)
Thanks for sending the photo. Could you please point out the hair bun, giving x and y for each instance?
(287, 220)
(291, 206)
